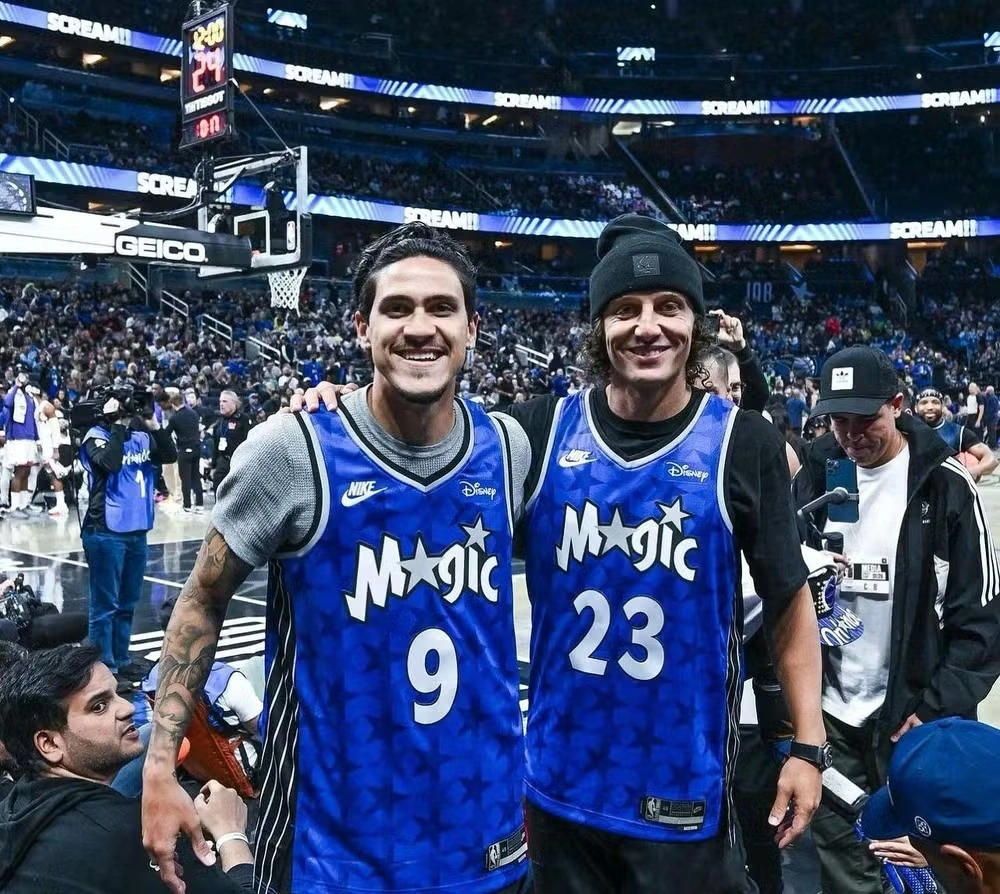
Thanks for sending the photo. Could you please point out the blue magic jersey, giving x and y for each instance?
(129, 493)
(393, 754)
(635, 640)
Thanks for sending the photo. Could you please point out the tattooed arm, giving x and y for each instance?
(188, 653)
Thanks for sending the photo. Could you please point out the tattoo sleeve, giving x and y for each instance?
(189, 645)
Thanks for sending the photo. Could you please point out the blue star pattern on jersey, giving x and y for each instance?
(635, 656)
(405, 738)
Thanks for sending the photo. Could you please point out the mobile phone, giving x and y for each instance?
(713, 322)
(842, 473)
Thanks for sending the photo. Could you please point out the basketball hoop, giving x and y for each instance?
(286, 286)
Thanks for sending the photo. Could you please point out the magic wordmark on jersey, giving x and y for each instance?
(383, 571)
(656, 540)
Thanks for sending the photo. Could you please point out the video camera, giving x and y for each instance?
(15, 604)
(132, 402)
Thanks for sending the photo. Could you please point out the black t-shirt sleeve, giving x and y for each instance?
(970, 437)
(535, 416)
(760, 505)
(755, 388)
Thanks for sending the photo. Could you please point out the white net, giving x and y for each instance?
(286, 286)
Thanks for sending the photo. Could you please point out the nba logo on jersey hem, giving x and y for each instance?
(689, 815)
(512, 849)
(358, 492)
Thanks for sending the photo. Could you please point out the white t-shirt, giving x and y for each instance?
(239, 704)
(855, 676)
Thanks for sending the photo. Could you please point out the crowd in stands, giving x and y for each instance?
(422, 179)
(924, 165)
(73, 339)
(778, 193)
(545, 47)
(945, 160)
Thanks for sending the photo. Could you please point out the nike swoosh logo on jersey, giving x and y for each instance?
(576, 458)
(348, 500)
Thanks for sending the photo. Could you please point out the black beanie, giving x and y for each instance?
(636, 253)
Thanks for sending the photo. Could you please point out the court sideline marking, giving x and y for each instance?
(152, 580)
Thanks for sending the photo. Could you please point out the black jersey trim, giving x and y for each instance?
(508, 467)
(321, 513)
(279, 755)
(423, 484)
(638, 462)
(547, 456)
(721, 478)
(734, 695)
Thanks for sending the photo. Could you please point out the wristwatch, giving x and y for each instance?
(820, 756)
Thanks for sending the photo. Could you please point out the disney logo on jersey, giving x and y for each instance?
(679, 470)
(382, 572)
(652, 541)
(576, 458)
(475, 489)
(358, 492)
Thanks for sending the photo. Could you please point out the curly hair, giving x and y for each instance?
(594, 353)
(412, 240)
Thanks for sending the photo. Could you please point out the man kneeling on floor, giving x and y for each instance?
(62, 828)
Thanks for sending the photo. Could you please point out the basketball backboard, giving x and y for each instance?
(264, 198)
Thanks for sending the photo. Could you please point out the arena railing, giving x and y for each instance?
(215, 326)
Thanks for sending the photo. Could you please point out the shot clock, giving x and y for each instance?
(206, 68)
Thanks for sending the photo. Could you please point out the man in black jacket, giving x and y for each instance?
(923, 576)
(62, 827)
(228, 433)
(184, 425)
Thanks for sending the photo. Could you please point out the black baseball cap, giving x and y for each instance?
(856, 381)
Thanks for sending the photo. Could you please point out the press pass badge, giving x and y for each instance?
(868, 577)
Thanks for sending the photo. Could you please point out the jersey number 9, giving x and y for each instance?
(442, 681)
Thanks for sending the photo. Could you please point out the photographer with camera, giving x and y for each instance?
(21, 444)
(39, 625)
(121, 453)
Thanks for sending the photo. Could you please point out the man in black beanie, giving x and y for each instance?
(642, 492)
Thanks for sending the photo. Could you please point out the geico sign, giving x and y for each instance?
(166, 185)
(933, 229)
(152, 249)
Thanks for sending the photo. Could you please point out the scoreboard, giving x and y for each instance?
(207, 91)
